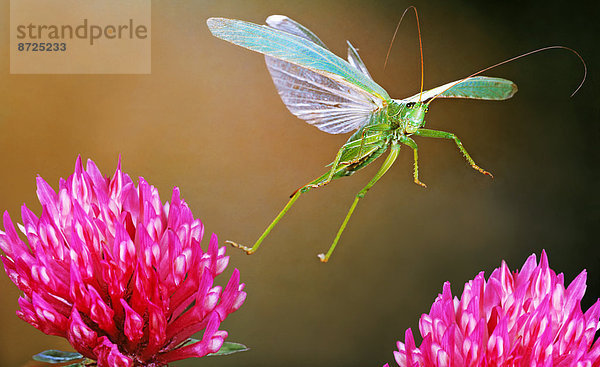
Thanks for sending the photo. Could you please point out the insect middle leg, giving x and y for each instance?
(411, 143)
(395, 149)
(428, 133)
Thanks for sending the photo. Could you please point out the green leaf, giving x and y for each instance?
(226, 349)
(56, 356)
(230, 348)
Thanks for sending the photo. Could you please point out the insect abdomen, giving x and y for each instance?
(366, 160)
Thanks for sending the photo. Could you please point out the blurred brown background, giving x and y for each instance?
(209, 120)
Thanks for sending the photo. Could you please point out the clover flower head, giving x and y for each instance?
(118, 273)
(524, 318)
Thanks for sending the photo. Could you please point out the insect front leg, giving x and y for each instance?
(428, 133)
(411, 143)
(384, 167)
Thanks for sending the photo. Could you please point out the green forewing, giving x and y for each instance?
(296, 50)
(315, 97)
(289, 25)
(479, 87)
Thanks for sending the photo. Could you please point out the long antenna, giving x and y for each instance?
(518, 57)
(421, 50)
(420, 43)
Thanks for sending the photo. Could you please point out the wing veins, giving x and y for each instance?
(333, 91)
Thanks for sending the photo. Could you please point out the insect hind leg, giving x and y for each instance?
(384, 167)
(363, 138)
(251, 250)
(318, 182)
(327, 177)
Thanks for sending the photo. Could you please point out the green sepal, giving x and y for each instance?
(226, 349)
(230, 348)
(57, 356)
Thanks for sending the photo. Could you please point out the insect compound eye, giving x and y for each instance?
(410, 104)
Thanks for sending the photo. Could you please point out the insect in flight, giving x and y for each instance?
(339, 97)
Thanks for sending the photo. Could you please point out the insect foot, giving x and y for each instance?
(248, 250)
(322, 258)
(420, 183)
(482, 170)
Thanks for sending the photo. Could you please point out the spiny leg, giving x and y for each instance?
(384, 167)
(428, 133)
(411, 143)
